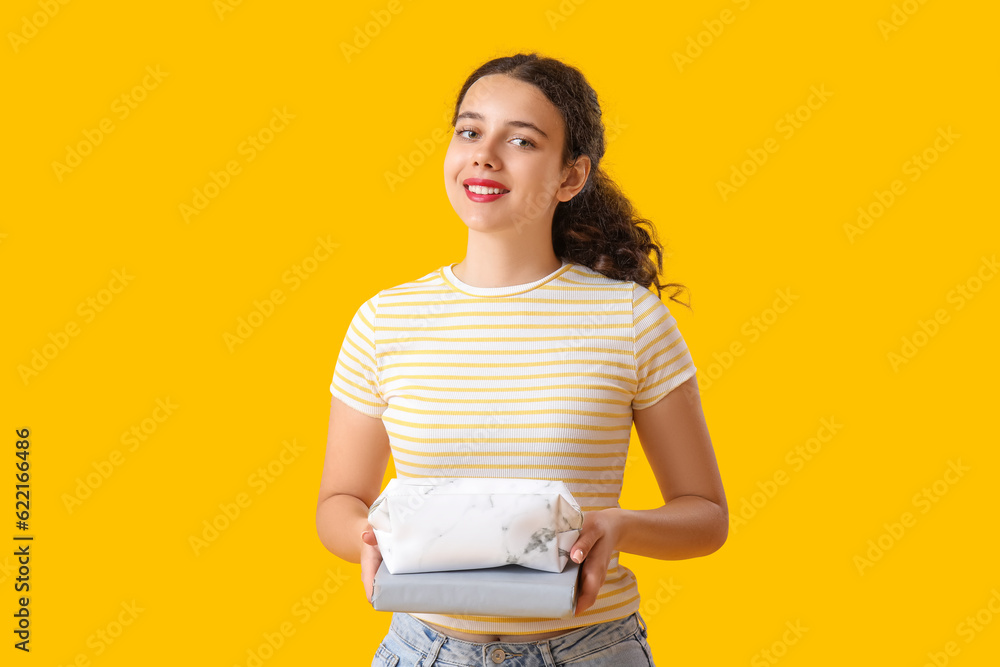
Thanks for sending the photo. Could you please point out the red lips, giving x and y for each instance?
(485, 182)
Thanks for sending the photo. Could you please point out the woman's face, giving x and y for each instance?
(508, 132)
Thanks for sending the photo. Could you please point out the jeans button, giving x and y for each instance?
(498, 655)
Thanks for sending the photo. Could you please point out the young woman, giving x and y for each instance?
(532, 357)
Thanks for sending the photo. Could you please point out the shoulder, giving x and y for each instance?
(644, 299)
(584, 276)
(429, 281)
(403, 290)
(641, 296)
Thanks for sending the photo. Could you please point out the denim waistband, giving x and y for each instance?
(564, 648)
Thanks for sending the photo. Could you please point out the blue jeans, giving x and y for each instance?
(619, 643)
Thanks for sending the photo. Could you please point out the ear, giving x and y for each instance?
(575, 178)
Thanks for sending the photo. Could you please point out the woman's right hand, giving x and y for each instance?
(371, 558)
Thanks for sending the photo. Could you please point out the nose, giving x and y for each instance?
(485, 155)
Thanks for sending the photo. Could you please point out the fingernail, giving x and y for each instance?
(578, 555)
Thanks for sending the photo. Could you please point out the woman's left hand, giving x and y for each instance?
(597, 541)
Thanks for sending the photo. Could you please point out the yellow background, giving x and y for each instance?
(679, 131)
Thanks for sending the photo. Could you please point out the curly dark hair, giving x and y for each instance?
(599, 227)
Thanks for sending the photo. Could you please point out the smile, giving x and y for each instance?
(484, 190)
(481, 193)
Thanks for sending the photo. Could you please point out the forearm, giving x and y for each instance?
(340, 520)
(685, 527)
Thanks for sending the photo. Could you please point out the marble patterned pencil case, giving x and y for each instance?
(465, 523)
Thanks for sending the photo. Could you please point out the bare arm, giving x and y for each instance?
(694, 521)
(357, 453)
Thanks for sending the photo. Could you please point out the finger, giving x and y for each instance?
(578, 552)
(368, 579)
(364, 584)
(591, 580)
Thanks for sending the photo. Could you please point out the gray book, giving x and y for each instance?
(510, 590)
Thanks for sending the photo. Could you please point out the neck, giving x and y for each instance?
(488, 263)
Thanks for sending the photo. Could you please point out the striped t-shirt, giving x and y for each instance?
(536, 380)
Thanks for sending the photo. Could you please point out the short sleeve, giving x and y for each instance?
(662, 359)
(355, 377)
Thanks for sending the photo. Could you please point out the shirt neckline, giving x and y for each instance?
(507, 290)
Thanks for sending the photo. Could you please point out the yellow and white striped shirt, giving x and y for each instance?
(536, 380)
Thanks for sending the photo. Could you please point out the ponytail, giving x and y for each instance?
(599, 228)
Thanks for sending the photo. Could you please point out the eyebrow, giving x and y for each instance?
(475, 115)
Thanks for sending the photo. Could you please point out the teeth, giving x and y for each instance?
(482, 190)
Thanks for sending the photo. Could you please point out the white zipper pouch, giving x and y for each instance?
(466, 523)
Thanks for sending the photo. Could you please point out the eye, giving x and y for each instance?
(527, 142)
